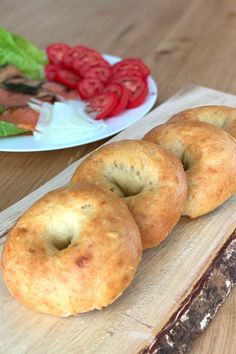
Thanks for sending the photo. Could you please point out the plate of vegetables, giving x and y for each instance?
(67, 96)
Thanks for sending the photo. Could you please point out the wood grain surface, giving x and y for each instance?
(182, 41)
(157, 291)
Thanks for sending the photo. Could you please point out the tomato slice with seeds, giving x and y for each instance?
(136, 87)
(50, 71)
(81, 47)
(103, 73)
(89, 87)
(55, 52)
(131, 64)
(82, 69)
(85, 58)
(102, 105)
(138, 98)
(122, 95)
(71, 54)
(127, 72)
(67, 78)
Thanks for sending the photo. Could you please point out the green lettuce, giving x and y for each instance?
(9, 129)
(20, 52)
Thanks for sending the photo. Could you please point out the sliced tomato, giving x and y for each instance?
(81, 47)
(71, 54)
(137, 98)
(102, 73)
(55, 52)
(137, 88)
(67, 78)
(89, 87)
(80, 68)
(131, 64)
(92, 64)
(127, 72)
(86, 57)
(122, 95)
(102, 105)
(50, 71)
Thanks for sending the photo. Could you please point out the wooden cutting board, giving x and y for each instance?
(179, 285)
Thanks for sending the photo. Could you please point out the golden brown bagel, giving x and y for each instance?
(209, 157)
(221, 116)
(149, 179)
(75, 250)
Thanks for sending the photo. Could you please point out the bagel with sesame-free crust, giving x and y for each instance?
(209, 157)
(75, 250)
(221, 116)
(150, 180)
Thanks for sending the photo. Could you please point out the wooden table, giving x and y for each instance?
(182, 42)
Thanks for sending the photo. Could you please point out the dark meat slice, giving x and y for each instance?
(22, 86)
(60, 90)
(13, 99)
(24, 80)
(18, 92)
(7, 72)
(22, 117)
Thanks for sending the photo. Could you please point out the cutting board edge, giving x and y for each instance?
(205, 267)
(222, 256)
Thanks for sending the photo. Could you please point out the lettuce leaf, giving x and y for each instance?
(9, 129)
(25, 56)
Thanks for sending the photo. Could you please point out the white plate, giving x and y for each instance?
(114, 125)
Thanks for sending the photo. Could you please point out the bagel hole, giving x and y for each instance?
(185, 165)
(61, 244)
(63, 229)
(187, 160)
(125, 181)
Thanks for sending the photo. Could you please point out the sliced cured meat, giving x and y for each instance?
(13, 99)
(7, 72)
(22, 117)
(60, 90)
(48, 92)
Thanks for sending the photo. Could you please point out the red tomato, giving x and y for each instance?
(67, 78)
(92, 64)
(50, 71)
(55, 52)
(71, 54)
(81, 47)
(102, 104)
(137, 88)
(102, 73)
(85, 58)
(122, 95)
(138, 98)
(81, 68)
(127, 72)
(89, 87)
(131, 64)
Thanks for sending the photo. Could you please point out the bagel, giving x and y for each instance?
(75, 250)
(209, 158)
(221, 116)
(149, 179)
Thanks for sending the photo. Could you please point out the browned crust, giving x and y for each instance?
(150, 180)
(221, 116)
(209, 156)
(74, 250)
(200, 307)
